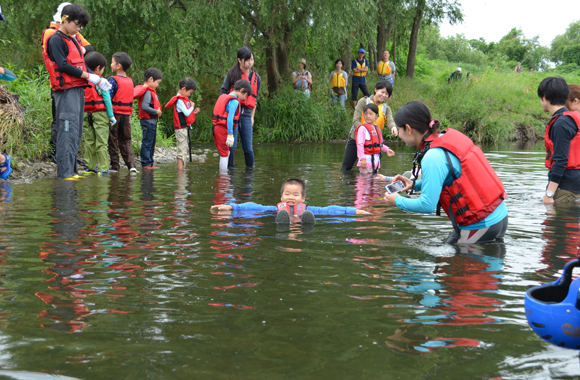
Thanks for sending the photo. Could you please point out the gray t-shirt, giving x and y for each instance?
(393, 69)
(344, 75)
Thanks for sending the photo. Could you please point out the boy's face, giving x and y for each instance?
(545, 104)
(114, 66)
(71, 27)
(185, 92)
(292, 194)
(153, 83)
(370, 116)
(242, 96)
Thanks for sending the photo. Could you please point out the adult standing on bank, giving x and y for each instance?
(243, 70)
(518, 68)
(338, 81)
(383, 91)
(86, 47)
(386, 68)
(456, 175)
(360, 68)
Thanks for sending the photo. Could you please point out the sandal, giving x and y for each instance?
(5, 168)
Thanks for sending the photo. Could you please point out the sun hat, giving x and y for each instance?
(459, 69)
(58, 15)
(302, 60)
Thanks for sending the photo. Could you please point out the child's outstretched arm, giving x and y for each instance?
(222, 208)
(6, 74)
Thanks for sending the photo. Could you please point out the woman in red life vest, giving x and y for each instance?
(456, 176)
(243, 70)
(369, 142)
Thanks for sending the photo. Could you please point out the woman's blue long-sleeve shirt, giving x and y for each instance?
(436, 174)
(329, 210)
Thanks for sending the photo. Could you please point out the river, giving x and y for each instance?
(132, 277)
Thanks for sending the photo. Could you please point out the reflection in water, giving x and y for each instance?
(156, 286)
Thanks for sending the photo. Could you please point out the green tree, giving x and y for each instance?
(565, 48)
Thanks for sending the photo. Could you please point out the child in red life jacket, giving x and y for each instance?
(122, 99)
(98, 118)
(226, 115)
(149, 112)
(292, 206)
(369, 142)
(183, 117)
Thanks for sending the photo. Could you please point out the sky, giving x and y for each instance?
(493, 19)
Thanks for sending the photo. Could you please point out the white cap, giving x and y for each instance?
(459, 69)
(57, 16)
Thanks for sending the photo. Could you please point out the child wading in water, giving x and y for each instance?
(292, 206)
(369, 142)
(183, 117)
(149, 112)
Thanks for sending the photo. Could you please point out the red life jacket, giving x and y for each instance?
(138, 93)
(123, 99)
(375, 144)
(250, 101)
(62, 81)
(478, 191)
(220, 115)
(93, 101)
(179, 119)
(293, 210)
(574, 152)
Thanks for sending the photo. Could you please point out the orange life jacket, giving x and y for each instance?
(293, 210)
(250, 101)
(62, 81)
(138, 93)
(123, 99)
(375, 144)
(574, 152)
(478, 191)
(220, 115)
(179, 119)
(93, 101)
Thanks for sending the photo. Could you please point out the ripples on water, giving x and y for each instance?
(133, 276)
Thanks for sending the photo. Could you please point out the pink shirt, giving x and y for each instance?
(363, 135)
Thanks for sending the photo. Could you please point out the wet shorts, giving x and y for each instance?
(491, 233)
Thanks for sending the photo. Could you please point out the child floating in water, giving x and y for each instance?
(369, 142)
(292, 206)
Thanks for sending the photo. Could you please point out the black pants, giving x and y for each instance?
(487, 234)
(53, 131)
(363, 87)
(350, 155)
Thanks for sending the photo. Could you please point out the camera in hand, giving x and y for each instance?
(395, 187)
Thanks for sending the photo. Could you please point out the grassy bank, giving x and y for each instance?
(494, 106)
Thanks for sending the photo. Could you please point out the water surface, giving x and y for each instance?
(133, 277)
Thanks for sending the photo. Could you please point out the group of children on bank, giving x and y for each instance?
(85, 105)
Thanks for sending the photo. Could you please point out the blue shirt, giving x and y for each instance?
(354, 66)
(8, 75)
(436, 174)
(329, 210)
(231, 109)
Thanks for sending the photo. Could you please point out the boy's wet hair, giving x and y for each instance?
(188, 83)
(243, 86)
(123, 59)
(417, 116)
(95, 59)
(372, 107)
(294, 181)
(75, 12)
(386, 85)
(154, 73)
(555, 90)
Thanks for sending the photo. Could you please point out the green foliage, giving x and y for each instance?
(565, 41)
(291, 116)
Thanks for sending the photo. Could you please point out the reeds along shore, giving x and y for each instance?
(492, 106)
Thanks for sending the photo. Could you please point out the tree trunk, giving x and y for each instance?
(347, 56)
(282, 54)
(272, 69)
(413, 39)
(394, 49)
(381, 32)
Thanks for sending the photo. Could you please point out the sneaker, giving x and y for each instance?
(111, 170)
(283, 217)
(70, 179)
(7, 168)
(76, 176)
(308, 217)
(148, 167)
(103, 173)
(88, 172)
(133, 170)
